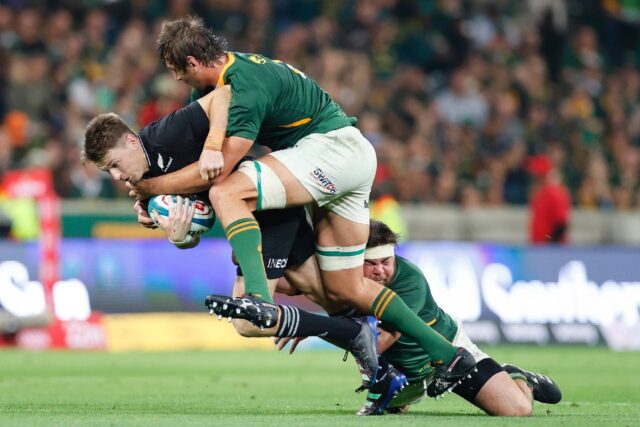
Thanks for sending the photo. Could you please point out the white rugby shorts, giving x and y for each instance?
(337, 168)
(462, 340)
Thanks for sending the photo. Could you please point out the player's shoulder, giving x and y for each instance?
(408, 276)
(244, 69)
(241, 62)
(405, 267)
(251, 58)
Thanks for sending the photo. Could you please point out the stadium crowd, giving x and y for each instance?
(455, 95)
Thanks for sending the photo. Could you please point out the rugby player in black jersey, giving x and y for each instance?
(175, 143)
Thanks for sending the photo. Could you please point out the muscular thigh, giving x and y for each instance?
(335, 170)
(332, 229)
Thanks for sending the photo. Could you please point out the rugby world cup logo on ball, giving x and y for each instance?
(202, 221)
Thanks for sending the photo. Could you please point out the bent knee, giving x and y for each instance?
(217, 195)
(526, 409)
(339, 297)
(517, 409)
(245, 328)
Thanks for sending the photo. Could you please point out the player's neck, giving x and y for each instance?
(216, 69)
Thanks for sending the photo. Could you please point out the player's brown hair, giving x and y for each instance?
(380, 234)
(101, 135)
(189, 37)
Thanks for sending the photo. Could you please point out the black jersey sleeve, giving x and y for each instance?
(183, 130)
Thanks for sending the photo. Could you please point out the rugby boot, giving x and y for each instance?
(364, 348)
(447, 377)
(246, 307)
(543, 388)
(390, 382)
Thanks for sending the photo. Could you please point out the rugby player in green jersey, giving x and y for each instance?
(317, 157)
(498, 390)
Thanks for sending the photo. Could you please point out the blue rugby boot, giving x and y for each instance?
(389, 383)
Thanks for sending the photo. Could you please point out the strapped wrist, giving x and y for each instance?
(214, 140)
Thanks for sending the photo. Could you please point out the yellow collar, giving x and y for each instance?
(230, 60)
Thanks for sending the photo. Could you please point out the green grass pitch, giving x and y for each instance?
(270, 389)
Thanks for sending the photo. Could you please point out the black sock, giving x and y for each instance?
(299, 323)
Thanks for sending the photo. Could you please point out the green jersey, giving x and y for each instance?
(274, 104)
(405, 354)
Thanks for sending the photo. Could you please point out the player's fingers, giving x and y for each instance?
(161, 221)
(294, 344)
(137, 206)
(192, 210)
(179, 205)
(282, 342)
(186, 209)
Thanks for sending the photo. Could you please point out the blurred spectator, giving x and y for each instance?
(387, 209)
(461, 103)
(549, 205)
(454, 95)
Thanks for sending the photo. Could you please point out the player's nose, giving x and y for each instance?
(116, 174)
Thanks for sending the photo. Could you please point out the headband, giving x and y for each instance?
(378, 252)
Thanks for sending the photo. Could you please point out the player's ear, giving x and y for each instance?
(132, 140)
(192, 62)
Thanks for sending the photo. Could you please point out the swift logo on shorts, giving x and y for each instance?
(324, 182)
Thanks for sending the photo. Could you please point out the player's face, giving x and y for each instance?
(127, 161)
(380, 270)
(194, 75)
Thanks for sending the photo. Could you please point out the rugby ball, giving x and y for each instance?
(203, 218)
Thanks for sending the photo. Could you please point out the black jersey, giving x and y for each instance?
(175, 140)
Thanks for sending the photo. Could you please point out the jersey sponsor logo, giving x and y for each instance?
(324, 182)
(257, 59)
(277, 262)
(161, 164)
